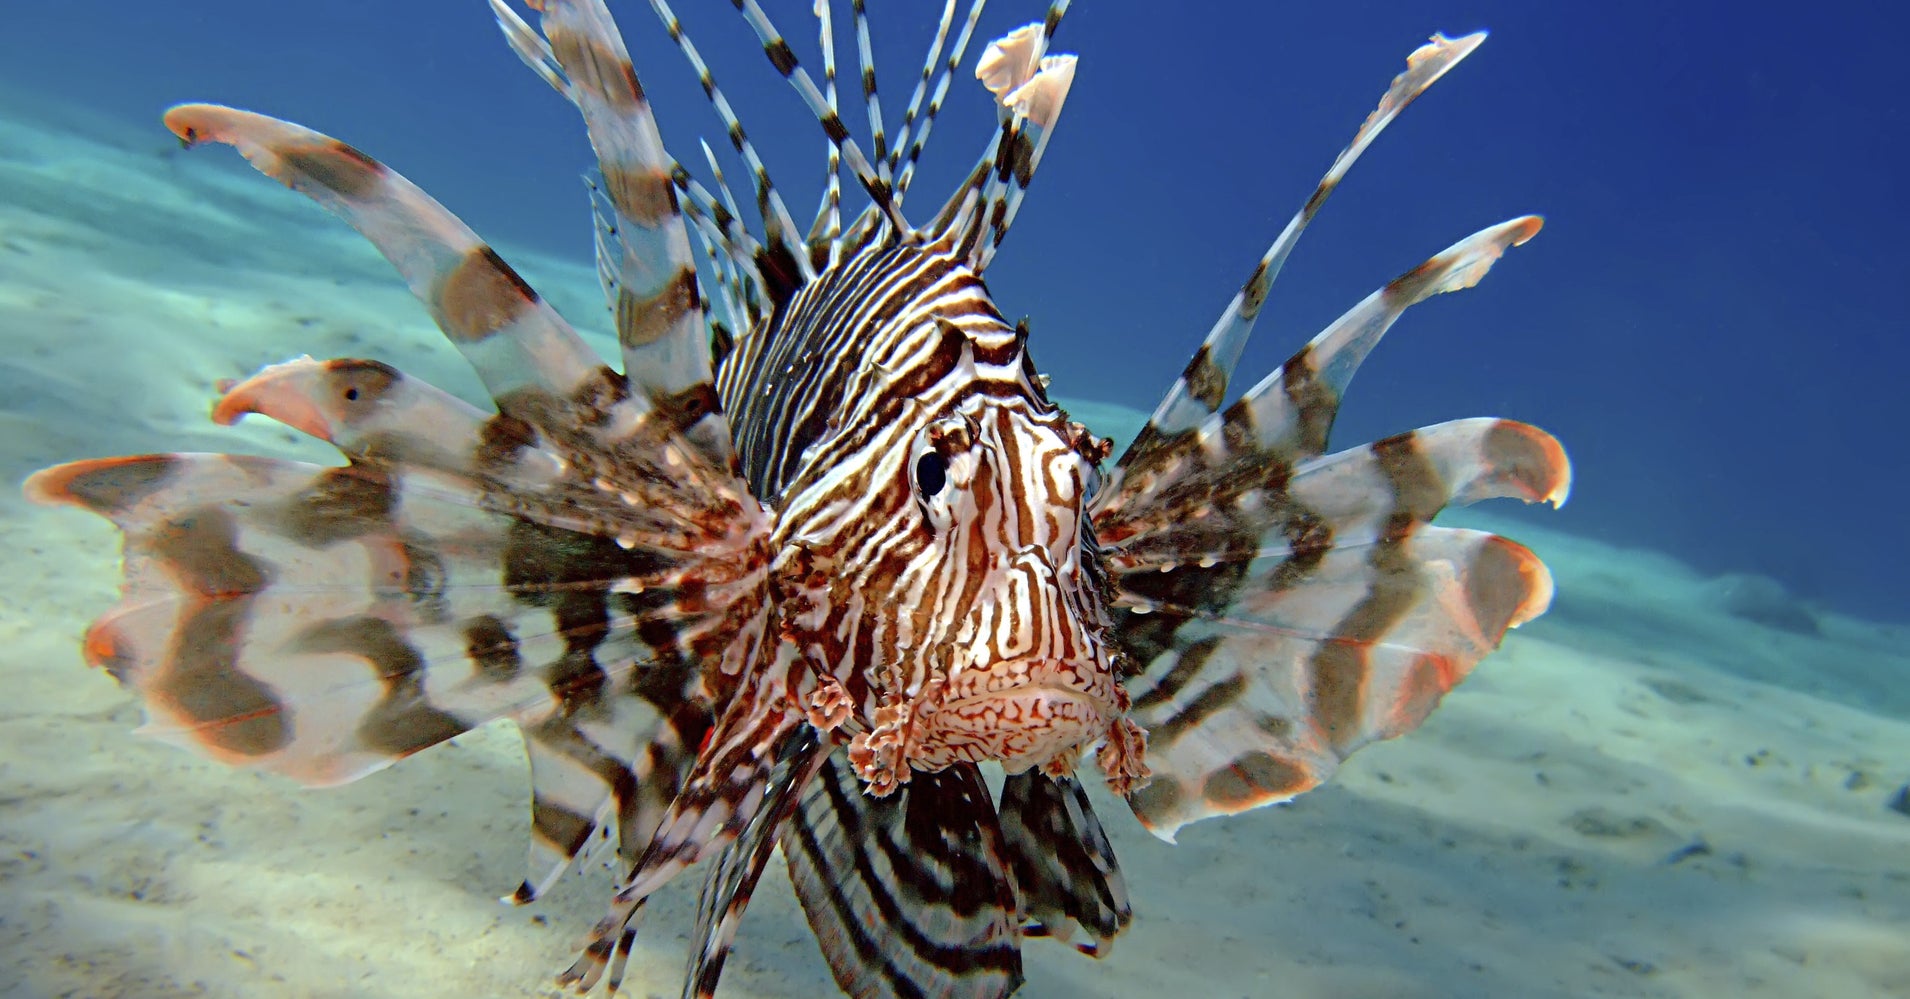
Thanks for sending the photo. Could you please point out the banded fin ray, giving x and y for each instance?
(873, 178)
(1064, 867)
(871, 99)
(602, 784)
(657, 300)
(1283, 607)
(915, 109)
(785, 264)
(722, 795)
(376, 415)
(733, 876)
(1286, 418)
(539, 372)
(1030, 88)
(911, 895)
(738, 255)
(1243, 711)
(1202, 386)
(513, 339)
(919, 141)
(825, 234)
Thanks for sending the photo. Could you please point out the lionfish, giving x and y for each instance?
(822, 547)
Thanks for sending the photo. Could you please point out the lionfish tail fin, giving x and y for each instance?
(1202, 386)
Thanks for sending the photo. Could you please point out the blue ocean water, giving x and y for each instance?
(1712, 320)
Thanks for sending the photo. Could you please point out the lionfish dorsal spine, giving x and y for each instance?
(920, 93)
(1202, 387)
(825, 234)
(919, 141)
(873, 179)
(658, 310)
(730, 243)
(1030, 88)
(728, 290)
(1035, 105)
(871, 99)
(785, 264)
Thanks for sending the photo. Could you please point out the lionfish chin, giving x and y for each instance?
(822, 547)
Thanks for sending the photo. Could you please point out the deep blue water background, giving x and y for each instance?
(1712, 321)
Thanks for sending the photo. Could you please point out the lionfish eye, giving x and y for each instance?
(931, 473)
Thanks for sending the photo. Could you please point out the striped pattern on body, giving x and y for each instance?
(822, 546)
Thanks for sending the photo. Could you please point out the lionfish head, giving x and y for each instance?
(968, 613)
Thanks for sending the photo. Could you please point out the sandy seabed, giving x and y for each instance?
(1659, 789)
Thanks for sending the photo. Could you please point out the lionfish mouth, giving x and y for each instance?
(1018, 713)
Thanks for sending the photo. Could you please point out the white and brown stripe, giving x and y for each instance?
(823, 546)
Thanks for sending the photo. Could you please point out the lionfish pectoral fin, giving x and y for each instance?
(512, 337)
(912, 893)
(1202, 386)
(1289, 606)
(725, 789)
(1062, 860)
(321, 622)
(644, 251)
(318, 622)
(1249, 710)
(601, 785)
(1251, 445)
(1267, 664)
(733, 878)
(599, 782)
(648, 448)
